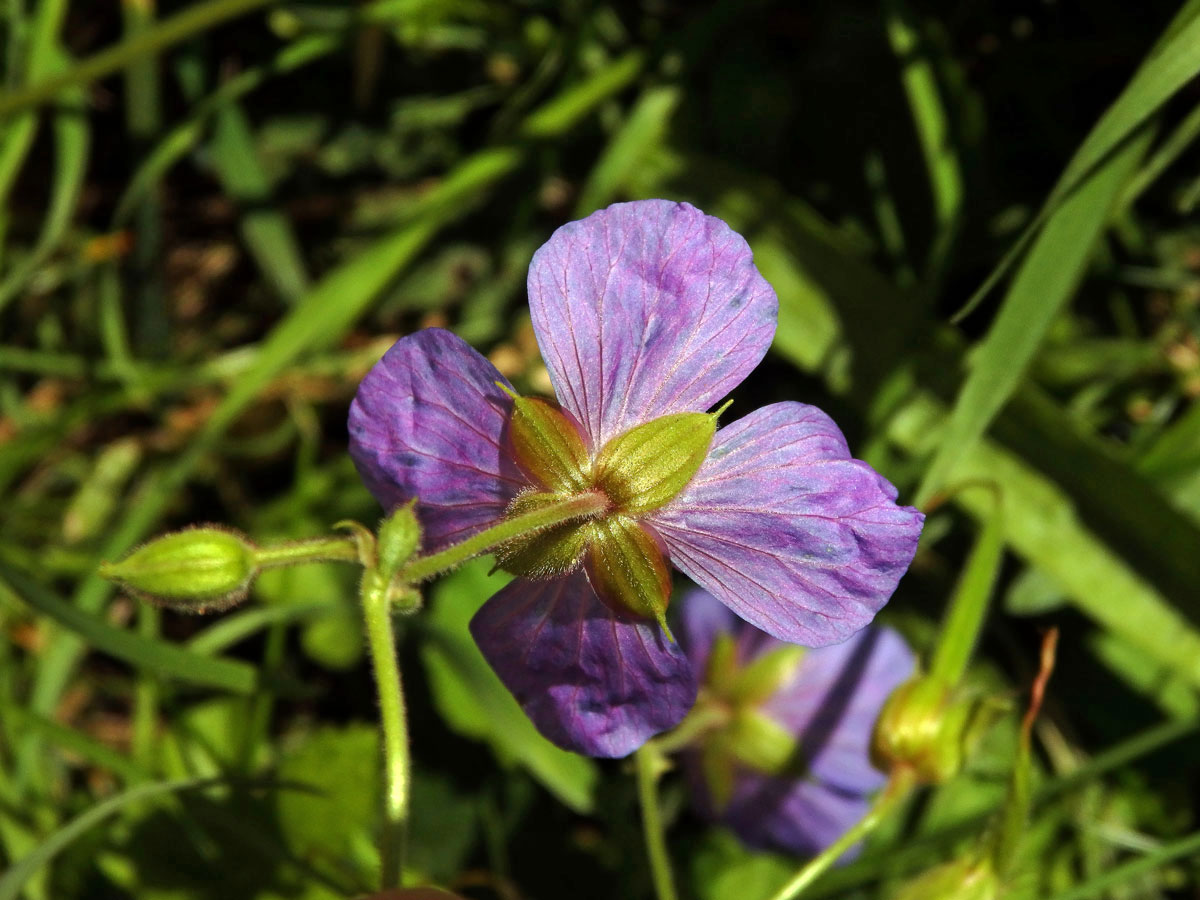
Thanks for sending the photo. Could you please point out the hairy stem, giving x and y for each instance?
(579, 507)
(397, 766)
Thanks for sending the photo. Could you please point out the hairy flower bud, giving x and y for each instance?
(399, 538)
(198, 570)
(926, 725)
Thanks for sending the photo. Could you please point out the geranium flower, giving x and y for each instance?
(642, 311)
(786, 764)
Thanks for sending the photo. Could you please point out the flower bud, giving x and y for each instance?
(198, 570)
(399, 537)
(646, 467)
(926, 726)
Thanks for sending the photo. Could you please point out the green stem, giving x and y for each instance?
(969, 605)
(177, 28)
(397, 766)
(893, 794)
(322, 549)
(704, 717)
(649, 763)
(579, 507)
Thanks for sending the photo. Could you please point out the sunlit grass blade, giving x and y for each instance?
(267, 233)
(72, 143)
(1042, 526)
(1041, 289)
(1173, 63)
(135, 649)
(13, 881)
(969, 603)
(1103, 884)
(641, 131)
(183, 25)
(942, 165)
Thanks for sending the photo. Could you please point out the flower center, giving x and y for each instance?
(638, 472)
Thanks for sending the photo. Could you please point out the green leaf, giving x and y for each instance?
(474, 702)
(1041, 289)
(267, 233)
(1042, 526)
(12, 881)
(157, 656)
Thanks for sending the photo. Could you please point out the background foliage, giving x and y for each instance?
(216, 215)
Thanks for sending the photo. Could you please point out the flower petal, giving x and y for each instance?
(593, 680)
(645, 309)
(775, 813)
(833, 700)
(428, 422)
(783, 527)
(701, 619)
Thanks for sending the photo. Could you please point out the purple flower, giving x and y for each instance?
(814, 786)
(642, 310)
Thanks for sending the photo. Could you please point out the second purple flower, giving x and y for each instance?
(647, 314)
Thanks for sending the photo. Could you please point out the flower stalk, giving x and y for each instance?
(397, 764)
(894, 793)
(650, 764)
(571, 508)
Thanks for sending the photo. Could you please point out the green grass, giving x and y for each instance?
(216, 214)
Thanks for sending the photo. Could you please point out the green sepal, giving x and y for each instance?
(646, 467)
(628, 570)
(543, 554)
(198, 570)
(722, 667)
(760, 743)
(765, 675)
(547, 445)
(719, 770)
(399, 537)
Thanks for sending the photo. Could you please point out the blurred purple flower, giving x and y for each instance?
(641, 310)
(827, 702)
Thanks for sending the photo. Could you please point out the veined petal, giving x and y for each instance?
(428, 422)
(833, 699)
(645, 309)
(777, 813)
(783, 527)
(592, 680)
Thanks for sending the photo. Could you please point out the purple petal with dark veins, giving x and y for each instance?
(593, 680)
(429, 422)
(788, 531)
(831, 702)
(789, 814)
(645, 309)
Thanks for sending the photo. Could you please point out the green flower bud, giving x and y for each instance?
(198, 570)
(760, 743)
(646, 467)
(399, 537)
(929, 727)
(960, 879)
